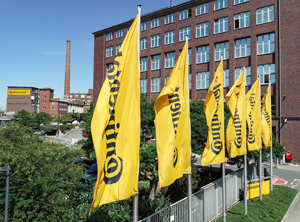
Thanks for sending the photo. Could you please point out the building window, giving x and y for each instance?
(170, 59)
(221, 25)
(120, 33)
(247, 74)
(109, 66)
(242, 20)
(143, 43)
(267, 73)
(53, 108)
(44, 97)
(265, 44)
(143, 64)
(242, 47)
(156, 84)
(118, 48)
(166, 79)
(156, 59)
(44, 102)
(155, 22)
(225, 77)
(183, 32)
(53, 103)
(189, 56)
(184, 14)
(222, 49)
(109, 36)
(203, 54)
(82, 96)
(190, 81)
(202, 80)
(169, 37)
(109, 51)
(155, 41)
(71, 96)
(44, 91)
(88, 97)
(202, 9)
(265, 15)
(202, 29)
(143, 85)
(144, 26)
(170, 18)
(219, 4)
(236, 2)
(76, 96)
(44, 108)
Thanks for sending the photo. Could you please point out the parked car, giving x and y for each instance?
(40, 132)
(91, 173)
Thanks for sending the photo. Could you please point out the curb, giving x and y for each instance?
(291, 207)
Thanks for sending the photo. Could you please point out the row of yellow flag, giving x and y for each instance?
(115, 124)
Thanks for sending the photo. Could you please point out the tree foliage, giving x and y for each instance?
(147, 119)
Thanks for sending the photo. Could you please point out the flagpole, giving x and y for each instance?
(136, 196)
(245, 157)
(271, 148)
(189, 191)
(223, 179)
(260, 152)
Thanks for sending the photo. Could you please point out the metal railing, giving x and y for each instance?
(207, 202)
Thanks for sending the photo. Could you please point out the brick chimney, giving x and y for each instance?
(67, 75)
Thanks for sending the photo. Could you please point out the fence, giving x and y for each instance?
(207, 202)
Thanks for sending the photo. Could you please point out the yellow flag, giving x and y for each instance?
(236, 128)
(253, 117)
(172, 124)
(266, 118)
(116, 125)
(214, 151)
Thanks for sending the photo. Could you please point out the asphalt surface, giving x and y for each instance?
(69, 139)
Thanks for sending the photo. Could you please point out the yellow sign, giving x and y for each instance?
(19, 92)
(253, 189)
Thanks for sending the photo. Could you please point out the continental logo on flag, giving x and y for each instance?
(19, 92)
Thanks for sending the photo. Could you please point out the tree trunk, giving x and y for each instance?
(154, 185)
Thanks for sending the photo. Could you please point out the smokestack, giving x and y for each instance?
(67, 75)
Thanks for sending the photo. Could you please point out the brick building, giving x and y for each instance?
(260, 35)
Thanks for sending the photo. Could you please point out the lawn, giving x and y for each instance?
(272, 207)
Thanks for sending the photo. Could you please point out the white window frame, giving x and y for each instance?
(265, 15)
(267, 72)
(242, 47)
(220, 4)
(238, 71)
(171, 18)
(155, 40)
(118, 48)
(144, 43)
(156, 62)
(109, 36)
(108, 66)
(185, 31)
(120, 33)
(170, 59)
(202, 9)
(166, 79)
(266, 44)
(221, 48)
(185, 14)
(143, 86)
(242, 20)
(236, 2)
(144, 26)
(202, 80)
(190, 81)
(202, 29)
(221, 25)
(109, 51)
(225, 77)
(169, 37)
(155, 22)
(143, 64)
(189, 56)
(203, 54)
(155, 84)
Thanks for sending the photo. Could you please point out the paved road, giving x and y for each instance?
(290, 173)
(68, 139)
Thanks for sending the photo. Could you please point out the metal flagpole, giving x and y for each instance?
(245, 156)
(189, 191)
(260, 153)
(136, 197)
(271, 149)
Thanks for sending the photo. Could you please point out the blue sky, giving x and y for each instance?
(34, 34)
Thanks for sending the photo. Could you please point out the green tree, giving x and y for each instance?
(25, 118)
(42, 118)
(44, 181)
(147, 119)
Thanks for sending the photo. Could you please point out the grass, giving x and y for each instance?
(272, 207)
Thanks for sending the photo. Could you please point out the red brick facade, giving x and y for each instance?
(286, 77)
